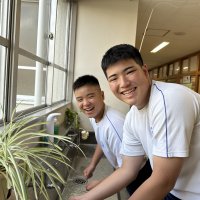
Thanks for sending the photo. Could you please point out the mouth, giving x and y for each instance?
(129, 92)
(88, 110)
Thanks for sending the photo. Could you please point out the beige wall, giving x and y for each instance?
(100, 25)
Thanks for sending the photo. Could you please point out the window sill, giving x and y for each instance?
(43, 113)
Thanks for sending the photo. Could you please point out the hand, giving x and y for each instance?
(77, 198)
(74, 198)
(88, 171)
(92, 184)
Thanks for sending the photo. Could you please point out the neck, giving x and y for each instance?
(99, 117)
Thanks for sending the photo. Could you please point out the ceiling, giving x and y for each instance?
(175, 21)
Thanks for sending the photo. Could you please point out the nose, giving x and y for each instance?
(85, 102)
(124, 82)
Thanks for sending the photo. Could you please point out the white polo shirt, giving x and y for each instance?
(108, 133)
(169, 126)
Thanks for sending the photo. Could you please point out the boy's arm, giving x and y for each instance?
(161, 182)
(116, 181)
(94, 161)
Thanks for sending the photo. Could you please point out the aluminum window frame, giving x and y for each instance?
(13, 51)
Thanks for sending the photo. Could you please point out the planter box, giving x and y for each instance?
(3, 188)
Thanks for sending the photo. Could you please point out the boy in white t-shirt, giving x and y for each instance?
(108, 127)
(163, 122)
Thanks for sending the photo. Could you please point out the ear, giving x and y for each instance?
(145, 70)
(102, 93)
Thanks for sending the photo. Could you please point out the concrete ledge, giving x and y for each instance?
(90, 140)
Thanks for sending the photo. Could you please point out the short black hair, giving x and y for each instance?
(118, 53)
(85, 80)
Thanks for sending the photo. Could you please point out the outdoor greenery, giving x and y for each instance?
(24, 157)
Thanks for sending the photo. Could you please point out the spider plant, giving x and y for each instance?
(25, 158)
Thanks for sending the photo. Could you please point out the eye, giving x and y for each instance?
(130, 71)
(91, 96)
(79, 100)
(112, 79)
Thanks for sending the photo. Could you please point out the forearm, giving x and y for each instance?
(109, 186)
(97, 156)
(161, 181)
(116, 181)
(152, 190)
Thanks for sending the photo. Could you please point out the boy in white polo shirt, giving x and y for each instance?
(163, 122)
(108, 127)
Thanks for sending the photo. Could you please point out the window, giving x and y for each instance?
(171, 69)
(160, 72)
(176, 67)
(4, 43)
(34, 59)
(155, 73)
(61, 41)
(3, 17)
(194, 63)
(30, 88)
(185, 65)
(2, 77)
(34, 27)
(165, 71)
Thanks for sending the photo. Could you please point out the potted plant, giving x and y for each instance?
(24, 158)
(73, 123)
(72, 119)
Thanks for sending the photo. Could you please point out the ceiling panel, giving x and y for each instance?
(175, 21)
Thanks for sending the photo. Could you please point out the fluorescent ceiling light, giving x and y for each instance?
(159, 47)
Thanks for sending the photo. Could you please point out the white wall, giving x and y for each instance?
(100, 25)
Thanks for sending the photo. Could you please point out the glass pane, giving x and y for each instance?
(171, 69)
(176, 68)
(199, 86)
(165, 71)
(3, 17)
(62, 28)
(160, 72)
(151, 74)
(172, 80)
(155, 73)
(31, 79)
(185, 65)
(194, 63)
(193, 82)
(2, 76)
(34, 26)
(59, 83)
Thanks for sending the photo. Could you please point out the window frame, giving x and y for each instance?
(13, 51)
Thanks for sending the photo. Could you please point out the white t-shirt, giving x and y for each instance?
(169, 126)
(108, 133)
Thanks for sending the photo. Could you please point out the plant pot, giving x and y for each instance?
(3, 188)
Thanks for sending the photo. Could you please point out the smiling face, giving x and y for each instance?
(129, 82)
(90, 100)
